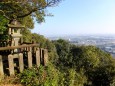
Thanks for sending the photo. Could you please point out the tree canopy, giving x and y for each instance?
(14, 9)
(92, 66)
(25, 11)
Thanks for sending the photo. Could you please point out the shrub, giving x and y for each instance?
(42, 76)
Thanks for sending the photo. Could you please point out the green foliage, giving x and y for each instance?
(39, 39)
(103, 75)
(26, 35)
(3, 23)
(22, 8)
(96, 67)
(85, 57)
(3, 28)
(42, 76)
(70, 77)
(27, 21)
(70, 65)
(62, 48)
(50, 76)
(25, 11)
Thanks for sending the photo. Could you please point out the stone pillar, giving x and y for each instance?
(21, 40)
(30, 49)
(1, 67)
(11, 65)
(21, 62)
(9, 32)
(34, 49)
(41, 56)
(38, 57)
(29, 59)
(45, 57)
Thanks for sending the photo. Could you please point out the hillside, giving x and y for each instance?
(69, 65)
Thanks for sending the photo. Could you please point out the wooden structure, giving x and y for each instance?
(15, 56)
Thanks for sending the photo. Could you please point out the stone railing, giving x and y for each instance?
(20, 57)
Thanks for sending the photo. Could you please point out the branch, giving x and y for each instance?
(4, 15)
(49, 3)
(35, 9)
(52, 2)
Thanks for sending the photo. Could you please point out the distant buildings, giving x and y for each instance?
(106, 43)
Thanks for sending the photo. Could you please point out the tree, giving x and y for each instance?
(96, 67)
(16, 9)
(62, 48)
(99, 66)
(25, 11)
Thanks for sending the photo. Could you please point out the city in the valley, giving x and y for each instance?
(104, 42)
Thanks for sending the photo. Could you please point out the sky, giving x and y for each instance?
(75, 17)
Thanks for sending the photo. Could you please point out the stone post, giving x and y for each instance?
(1, 67)
(29, 59)
(11, 65)
(38, 57)
(21, 62)
(30, 49)
(45, 57)
(41, 56)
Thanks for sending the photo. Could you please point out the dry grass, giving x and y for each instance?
(10, 81)
(10, 85)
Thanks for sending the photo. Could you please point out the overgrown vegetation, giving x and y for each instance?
(42, 76)
(93, 67)
(69, 65)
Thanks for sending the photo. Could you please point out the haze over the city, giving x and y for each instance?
(79, 17)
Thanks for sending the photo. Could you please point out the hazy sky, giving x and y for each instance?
(79, 17)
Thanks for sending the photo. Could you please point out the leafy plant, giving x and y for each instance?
(42, 76)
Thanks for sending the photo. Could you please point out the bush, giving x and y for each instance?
(42, 76)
